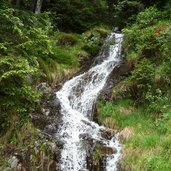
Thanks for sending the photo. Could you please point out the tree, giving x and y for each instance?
(38, 6)
(76, 15)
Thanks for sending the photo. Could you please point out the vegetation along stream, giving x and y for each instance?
(77, 94)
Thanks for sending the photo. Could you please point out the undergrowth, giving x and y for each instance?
(141, 107)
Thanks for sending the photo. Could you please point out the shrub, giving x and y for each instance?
(25, 38)
(93, 40)
(156, 101)
(125, 12)
(64, 39)
(17, 96)
(148, 17)
(141, 78)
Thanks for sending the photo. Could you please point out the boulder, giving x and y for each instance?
(108, 133)
(104, 150)
(13, 162)
(44, 88)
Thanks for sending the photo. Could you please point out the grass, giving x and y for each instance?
(149, 148)
(69, 52)
(34, 151)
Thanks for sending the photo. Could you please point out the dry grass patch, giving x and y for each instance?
(127, 133)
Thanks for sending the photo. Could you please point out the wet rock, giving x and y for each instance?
(44, 88)
(121, 168)
(39, 120)
(119, 73)
(104, 150)
(13, 162)
(51, 129)
(89, 123)
(57, 157)
(85, 136)
(116, 29)
(54, 102)
(54, 105)
(98, 61)
(108, 133)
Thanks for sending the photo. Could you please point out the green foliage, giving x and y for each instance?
(78, 16)
(125, 12)
(113, 112)
(140, 79)
(157, 102)
(93, 40)
(27, 51)
(150, 138)
(17, 96)
(30, 51)
(148, 17)
(151, 55)
(147, 114)
(66, 39)
(167, 11)
(97, 153)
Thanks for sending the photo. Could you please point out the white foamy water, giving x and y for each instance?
(77, 98)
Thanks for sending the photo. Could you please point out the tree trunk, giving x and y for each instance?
(18, 3)
(13, 3)
(32, 5)
(38, 6)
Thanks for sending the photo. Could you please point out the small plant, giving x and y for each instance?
(157, 102)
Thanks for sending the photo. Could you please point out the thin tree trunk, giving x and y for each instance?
(13, 3)
(32, 5)
(18, 3)
(38, 6)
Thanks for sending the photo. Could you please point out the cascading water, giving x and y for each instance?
(77, 98)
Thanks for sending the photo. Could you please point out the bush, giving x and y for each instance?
(93, 40)
(64, 39)
(125, 12)
(17, 96)
(25, 38)
(78, 16)
(148, 17)
(152, 45)
(141, 78)
(157, 102)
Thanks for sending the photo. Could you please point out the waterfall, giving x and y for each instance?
(77, 97)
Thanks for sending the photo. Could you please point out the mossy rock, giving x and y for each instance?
(102, 31)
(66, 39)
(92, 50)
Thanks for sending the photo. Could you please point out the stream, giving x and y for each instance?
(77, 97)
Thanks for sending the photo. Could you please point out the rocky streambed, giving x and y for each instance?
(50, 121)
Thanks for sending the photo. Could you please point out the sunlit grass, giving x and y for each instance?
(149, 148)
